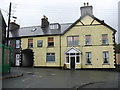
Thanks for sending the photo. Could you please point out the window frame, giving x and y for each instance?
(30, 43)
(107, 57)
(50, 42)
(106, 40)
(73, 41)
(51, 56)
(39, 43)
(87, 39)
(90, 58)
(17, 44)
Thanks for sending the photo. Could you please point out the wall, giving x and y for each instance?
(40, 52)
(95, 31)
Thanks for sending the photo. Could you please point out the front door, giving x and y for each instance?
(17, 60)
(72, 62)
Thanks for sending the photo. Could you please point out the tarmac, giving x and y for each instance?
(28, 74)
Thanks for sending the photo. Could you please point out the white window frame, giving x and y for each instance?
(73, 56)
(107, 56)
(87, 40)
(90, 54)
(106, 40)
(17, 43)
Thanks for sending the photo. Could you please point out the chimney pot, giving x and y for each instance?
(84, 4)
(87, 3)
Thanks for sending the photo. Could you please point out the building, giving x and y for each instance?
(5, 52)
(2, 29)
(119, 22)
(86, 43)
(14, 43)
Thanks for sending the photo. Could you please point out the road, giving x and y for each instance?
(57, 78)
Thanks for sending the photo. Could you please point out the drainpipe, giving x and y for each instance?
(60, 51)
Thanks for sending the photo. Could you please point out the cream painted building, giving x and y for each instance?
(86, 43)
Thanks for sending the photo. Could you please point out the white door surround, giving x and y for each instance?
(72, 54)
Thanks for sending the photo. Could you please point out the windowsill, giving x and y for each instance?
(105, 64)
(105, 44)
(88, 64)
(50, 61)
(88, 45)
(50, 46)
(30, 47)
(73, 46)
(77, 63)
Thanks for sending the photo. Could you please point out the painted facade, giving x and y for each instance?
(86, 43)
(60, 48)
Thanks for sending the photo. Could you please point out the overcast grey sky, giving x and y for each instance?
(30, 12)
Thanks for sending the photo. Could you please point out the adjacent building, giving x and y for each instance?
(119, 22)
(87, 43)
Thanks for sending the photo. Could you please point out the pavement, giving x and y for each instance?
(12, 74)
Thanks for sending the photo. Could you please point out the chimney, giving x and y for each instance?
(86, 9)
(14, 26)
(44, 22)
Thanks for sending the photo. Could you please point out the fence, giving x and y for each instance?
(6, 58)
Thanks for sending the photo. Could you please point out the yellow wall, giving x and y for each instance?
(96, 49)
(40, 52)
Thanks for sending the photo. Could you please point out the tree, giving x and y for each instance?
(118, 48)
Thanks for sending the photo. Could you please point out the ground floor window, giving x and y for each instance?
(50, 57)
(105, 57)
(88, 58)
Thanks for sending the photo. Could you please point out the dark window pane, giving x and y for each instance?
(77, 59)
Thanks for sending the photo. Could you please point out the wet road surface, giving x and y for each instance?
(58, 78)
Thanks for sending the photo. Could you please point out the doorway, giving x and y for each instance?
(27, 58)
(17, 59)
(72, 63)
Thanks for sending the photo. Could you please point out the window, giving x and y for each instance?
(77, 58)
(50, 57)
(73, 40)
(67, 58)
(30, 43)
(88, 57)
(39, 43)
(54, 26)
(87, 39)
(104, 39)
(105, 57)
(50, 42)
(17, 43)
(9, 43)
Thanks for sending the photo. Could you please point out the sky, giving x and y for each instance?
(30, 12)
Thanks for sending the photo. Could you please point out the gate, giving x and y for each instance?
(6, 58)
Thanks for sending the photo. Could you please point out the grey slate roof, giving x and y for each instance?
(38, 31)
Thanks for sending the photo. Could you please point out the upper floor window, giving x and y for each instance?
(104, 39)
(50, 41)
(54, 26)
(30, 43)
(105, 57)
(50, 57)
(88, 57)
(9, 43)
(17, 44)
(73, 40)
(39, 43)
(87, 39)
